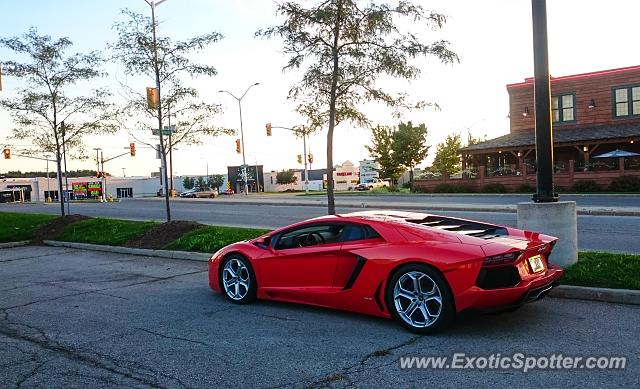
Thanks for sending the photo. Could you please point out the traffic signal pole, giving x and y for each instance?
(304, 133)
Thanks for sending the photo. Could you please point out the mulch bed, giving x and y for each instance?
(51, 230)
(160, 236)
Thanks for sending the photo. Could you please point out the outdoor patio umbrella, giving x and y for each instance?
(617, 154)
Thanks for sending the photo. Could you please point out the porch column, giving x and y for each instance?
(572, 164)
(521, 166)
(481, 172)
(621, 165)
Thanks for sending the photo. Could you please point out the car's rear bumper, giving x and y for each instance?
(524, 292)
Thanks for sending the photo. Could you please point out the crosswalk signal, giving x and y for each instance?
(7, 153)
(238, 148)
(152, 98)
(299, 158)
(310, 158)
(268, 129)
(132, 149)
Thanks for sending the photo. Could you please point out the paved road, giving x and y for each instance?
(609, 233)
(71, 318)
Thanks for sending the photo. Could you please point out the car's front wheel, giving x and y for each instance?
(238, 280)
(420, 299)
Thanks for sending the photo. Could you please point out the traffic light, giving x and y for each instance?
(268, 129)
(238, 148)
(7, 153)
(299, 158)
(310, 158)
(152, 98)
(132, 149)
(99, 174)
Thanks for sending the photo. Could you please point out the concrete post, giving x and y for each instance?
(555, 219)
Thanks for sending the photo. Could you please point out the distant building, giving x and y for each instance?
(345, 176)
(315, 181)
(236, 180)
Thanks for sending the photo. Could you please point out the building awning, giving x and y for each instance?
(526, 139)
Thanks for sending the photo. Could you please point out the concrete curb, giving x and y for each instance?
(9, 245)
(184, 255)
(619, 296)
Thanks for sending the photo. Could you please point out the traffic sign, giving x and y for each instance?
(166, 131)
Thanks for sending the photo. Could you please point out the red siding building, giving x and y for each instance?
(593, 113)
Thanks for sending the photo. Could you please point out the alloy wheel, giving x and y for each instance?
(235, 279)
(417, 299)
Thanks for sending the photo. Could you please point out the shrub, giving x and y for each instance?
(625, 184)
(453, 188)
(406, 185)
(585, 186)
(525, 188)
(494, 188)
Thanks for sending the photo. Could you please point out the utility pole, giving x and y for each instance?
(542, 94)
(163, 152)
(66, 196)
(244, 160)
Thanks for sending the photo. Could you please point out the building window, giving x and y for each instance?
(563, 108)
(626, 101)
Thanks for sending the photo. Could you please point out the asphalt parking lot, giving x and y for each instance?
(72, 318)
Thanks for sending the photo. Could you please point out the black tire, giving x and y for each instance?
(245, 295)
(446, 311)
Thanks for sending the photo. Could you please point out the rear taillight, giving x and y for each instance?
(502, 259)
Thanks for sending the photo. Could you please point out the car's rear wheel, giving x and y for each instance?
(238, 280)
(420, 299)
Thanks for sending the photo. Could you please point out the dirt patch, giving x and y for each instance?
(51, 230)
(160, 236)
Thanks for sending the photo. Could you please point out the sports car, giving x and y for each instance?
(419, 269)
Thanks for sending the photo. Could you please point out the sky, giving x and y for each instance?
(492, 37)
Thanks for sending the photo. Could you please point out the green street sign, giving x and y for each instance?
(166, 131)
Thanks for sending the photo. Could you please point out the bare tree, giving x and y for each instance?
(44, 110)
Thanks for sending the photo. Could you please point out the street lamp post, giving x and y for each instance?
(153, 5)
(244, 161)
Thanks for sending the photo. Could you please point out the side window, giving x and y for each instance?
(310, 236)
(358, 232)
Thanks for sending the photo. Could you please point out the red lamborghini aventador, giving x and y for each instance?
(417, 268)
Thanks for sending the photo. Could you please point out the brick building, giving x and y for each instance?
(593, 113)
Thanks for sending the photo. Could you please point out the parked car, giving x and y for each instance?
(203, 192)
(227, 192)
(419, 269)
(374, 183)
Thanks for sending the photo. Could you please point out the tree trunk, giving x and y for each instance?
(331, 199)
(60, 188)
(411, 179)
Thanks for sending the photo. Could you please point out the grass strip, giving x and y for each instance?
(213, 238)
(604, 270)
(16, 227)
(111, 232)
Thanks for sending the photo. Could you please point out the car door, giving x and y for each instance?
(297, 264)
(358, 240)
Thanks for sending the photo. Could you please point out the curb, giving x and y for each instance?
(9, 245)
(184, 255)
(619, 296)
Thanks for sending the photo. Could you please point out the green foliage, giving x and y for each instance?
(625, 184)
(585, 186)
(474, 141)
(188, 182)
(200, 182)
(16, 227)
(525, 188)
(180, 102)
(381, 150)
(410, 146)
(447, 159)
(110, 232)
(453, 188)
(215, 181)
(343, 47)
(495, 187)
(45, 99)
(286, 177)
(604, 270)
(211, 239)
